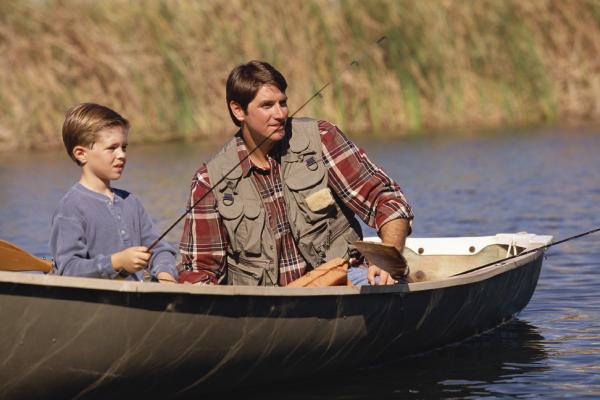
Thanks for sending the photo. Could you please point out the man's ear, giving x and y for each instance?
(80, 154)
(237, 110)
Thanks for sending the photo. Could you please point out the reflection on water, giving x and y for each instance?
(477, 368)
(542, 183)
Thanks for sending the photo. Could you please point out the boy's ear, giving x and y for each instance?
(237, 110)
(80, 154)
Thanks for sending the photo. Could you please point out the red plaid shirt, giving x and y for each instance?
(360, 184)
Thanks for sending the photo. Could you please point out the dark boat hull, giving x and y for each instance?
(69, 341)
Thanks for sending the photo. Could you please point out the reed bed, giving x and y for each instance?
(163, 64)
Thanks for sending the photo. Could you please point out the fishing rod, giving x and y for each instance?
(545, 247)
(353, 63)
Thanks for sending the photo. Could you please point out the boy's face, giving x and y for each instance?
(106, 158)
(265, 116)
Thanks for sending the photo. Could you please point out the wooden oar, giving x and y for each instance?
(14, 258)
(385, 256)
(332, 273)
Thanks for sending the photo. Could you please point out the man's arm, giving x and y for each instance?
(366, 189)
(204, 239)
(394, 233)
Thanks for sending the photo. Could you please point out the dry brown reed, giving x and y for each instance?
(163, 64)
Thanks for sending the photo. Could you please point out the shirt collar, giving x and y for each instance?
(246, 163)
(118, 194)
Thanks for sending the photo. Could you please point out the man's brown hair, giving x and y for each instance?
(245, 80)
(84, 121)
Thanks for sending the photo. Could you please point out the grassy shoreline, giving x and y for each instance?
(164, 64)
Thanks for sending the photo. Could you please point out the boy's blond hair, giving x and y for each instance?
(84, 121)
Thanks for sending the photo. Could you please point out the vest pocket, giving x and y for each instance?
(327, 240)
(232, 211)
(341, 238)
(245, 218)
(232, 215)
(249, 271)
(299, 177)
(249, 232)
(312, 196)
(313, 244)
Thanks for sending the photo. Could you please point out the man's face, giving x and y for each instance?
(266, 115)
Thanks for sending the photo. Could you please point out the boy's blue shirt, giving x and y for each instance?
(87, 228)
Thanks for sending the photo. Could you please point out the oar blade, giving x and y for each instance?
(13, 258)
(385, 256)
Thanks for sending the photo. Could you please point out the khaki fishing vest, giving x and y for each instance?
(323, 227)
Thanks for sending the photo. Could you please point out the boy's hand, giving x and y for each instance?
(132, 259)
(165, 277)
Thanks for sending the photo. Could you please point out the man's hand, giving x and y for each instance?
(384, 277)
(132, 259)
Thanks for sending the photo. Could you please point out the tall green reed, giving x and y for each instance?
(164, 64)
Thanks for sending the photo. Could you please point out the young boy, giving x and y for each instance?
(98, 231)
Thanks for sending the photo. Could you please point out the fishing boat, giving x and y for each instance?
(67, 337)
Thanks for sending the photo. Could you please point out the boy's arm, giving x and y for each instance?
(69, 250)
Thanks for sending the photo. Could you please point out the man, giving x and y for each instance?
(286, 196)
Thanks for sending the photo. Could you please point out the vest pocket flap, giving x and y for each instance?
(299, 177)
(251, 209)
(252, 271)
(319, 200)
(231, 211)
(298, 142)
(245, 276)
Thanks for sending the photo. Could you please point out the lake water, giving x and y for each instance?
(544, 182)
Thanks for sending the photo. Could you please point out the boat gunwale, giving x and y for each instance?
(224, 290)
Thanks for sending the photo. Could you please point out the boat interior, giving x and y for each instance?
(432, 267)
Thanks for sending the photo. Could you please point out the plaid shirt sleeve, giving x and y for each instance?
(364, 187)
(204, 238)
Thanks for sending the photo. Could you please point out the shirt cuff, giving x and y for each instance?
(105, 267)
(392, 218)
(198, 277)
(164, 262)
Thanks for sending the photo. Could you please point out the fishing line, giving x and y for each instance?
(353, 63)
(529, 251)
